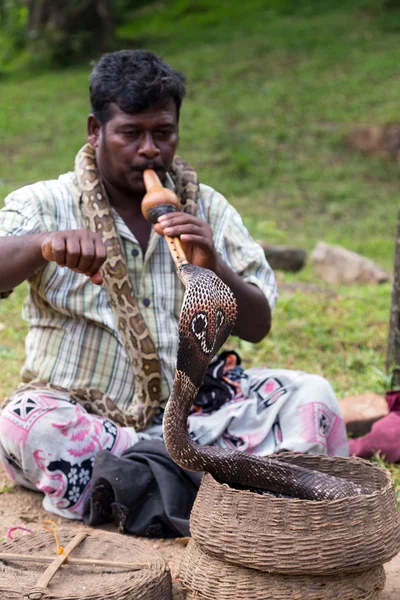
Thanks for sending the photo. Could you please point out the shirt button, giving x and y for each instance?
(135, 252)
(146, 302)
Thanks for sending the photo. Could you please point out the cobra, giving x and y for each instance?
(207, 318)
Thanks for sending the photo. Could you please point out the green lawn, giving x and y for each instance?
(273, 89)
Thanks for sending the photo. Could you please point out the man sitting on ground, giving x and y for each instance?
(90, 379)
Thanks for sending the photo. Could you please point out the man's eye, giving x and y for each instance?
(130, 132)
(163, 133)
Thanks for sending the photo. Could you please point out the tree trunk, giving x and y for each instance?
(393, 347)
(71, 28)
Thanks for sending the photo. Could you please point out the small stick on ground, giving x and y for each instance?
(46, 577)
(74, 561)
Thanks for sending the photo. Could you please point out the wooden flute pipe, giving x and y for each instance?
(159, 201)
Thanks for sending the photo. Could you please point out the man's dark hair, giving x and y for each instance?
(134, 80)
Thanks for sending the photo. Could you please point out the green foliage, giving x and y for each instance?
(391, 4)
(395, 472)
(12, 333)
(122, 9)
(13, 18)
(68, 33)
(57, 48)
(6, 486)
(52, 46)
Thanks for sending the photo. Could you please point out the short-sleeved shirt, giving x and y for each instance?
(73, 341)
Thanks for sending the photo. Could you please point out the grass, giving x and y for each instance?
(274, 87)
(5, 486)
(12, 333)
(335, 335)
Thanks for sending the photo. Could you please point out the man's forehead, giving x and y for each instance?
(165, 111)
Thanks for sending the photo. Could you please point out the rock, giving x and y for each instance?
(361, 412)
(377, 139)
(335, 264)
(284, 258)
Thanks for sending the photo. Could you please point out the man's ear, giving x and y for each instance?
(93, 129)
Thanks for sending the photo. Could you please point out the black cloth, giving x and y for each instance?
(218, 386)
(144, 492)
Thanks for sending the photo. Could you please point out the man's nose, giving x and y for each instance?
(147, 147)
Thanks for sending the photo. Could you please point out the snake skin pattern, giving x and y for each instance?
(207, 317)
(139, 345)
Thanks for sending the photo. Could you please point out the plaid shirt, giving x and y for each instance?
(73, 341)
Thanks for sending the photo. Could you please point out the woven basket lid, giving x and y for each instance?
(207, 578)
(151, 581)
(293, 536)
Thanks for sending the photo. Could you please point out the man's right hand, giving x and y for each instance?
(79, 249)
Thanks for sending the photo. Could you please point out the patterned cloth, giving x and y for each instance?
(73, 340)
(48, 443)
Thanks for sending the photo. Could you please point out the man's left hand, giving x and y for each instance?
(195, 235)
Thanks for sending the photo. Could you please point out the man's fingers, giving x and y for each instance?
(177, 218)
(178, 224)
(55, 250)
(73, 253)
(179, 230)
(47, 251)
(158, 229)
(87, 256)
(172, 221)
(97, 278)
(100, 255)
(198, 240)
(79, 250)
(93, 255)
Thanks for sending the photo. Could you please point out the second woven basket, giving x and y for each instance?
(283, 548)
(206, 577)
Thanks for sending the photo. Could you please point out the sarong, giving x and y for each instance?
(48, 442)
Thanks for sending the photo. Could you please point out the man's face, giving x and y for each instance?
(130, 143)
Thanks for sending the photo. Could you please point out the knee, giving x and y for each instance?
(9, 450)
(22, 418)
(12, 432)
(318, 389)
(317, 383)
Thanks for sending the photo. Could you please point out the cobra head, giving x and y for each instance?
(208, 316)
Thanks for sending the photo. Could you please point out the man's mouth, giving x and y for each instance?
(157, 168)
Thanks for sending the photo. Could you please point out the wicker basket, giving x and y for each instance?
(209, 578)
(301, 537)
(72, 582)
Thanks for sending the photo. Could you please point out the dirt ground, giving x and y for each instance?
(20, 507)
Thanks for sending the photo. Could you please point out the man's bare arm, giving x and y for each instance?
(79, 250)
(254, 314)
